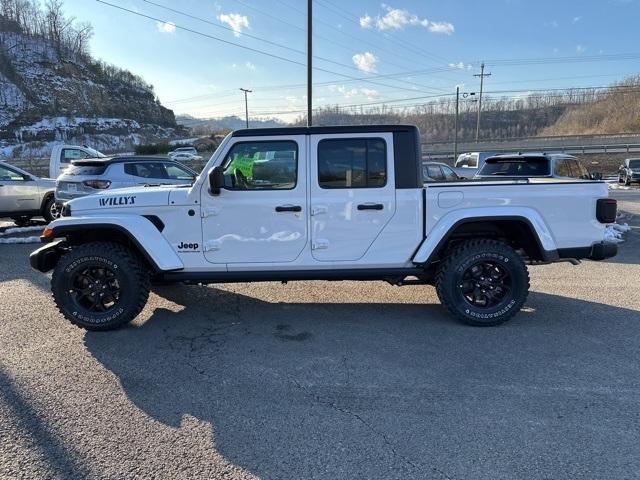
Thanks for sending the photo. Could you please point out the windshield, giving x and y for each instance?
(634, 163)
(530, 167)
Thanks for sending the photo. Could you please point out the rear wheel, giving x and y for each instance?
(483, 282)
(627, 182)
(100, 285)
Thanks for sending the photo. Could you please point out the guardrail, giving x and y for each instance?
(428, 152)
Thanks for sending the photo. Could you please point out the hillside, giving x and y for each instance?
(52, 90)
(614, 110)
(203, 126)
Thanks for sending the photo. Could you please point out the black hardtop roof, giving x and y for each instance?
(250, 132)
(120, 159)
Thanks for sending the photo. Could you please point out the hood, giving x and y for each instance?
(123, 198)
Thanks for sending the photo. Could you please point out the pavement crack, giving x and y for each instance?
(368, 425)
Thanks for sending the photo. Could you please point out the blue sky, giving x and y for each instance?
(427, 46)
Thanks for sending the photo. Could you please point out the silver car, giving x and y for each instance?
(88, 176)
(23, 196)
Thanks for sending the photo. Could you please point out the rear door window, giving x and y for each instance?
(352, 163)
(145, 169)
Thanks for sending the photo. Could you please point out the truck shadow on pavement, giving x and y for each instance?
(388, 390)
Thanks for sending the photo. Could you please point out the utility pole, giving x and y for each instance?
(455, 138)
(481, 75)
(246, 105)
(309, 62)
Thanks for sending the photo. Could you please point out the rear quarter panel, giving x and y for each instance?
(563, 213)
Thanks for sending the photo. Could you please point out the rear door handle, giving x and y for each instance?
(370, 206)
(288, 208)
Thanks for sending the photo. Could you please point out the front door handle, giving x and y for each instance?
(370, 206)
(288, 208)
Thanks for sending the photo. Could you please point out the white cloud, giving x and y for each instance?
(366, 62)
(236, 21)
(460, 66)
(397, 19)
(166, 27)
(368, 93)
(552, 24)
(366, 21)
(441, 27)
(576, 19)
(250, 66)
(580, 49)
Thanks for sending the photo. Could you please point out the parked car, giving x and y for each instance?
(438, 172)
(530, 165)
(342, 203)
(23, 196)
(62, 156)
(184, 156)
(468, 164)
(191, 150)
(85, 177)
(629, 171)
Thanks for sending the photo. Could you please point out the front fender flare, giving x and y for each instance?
(138, 229)
(446, 225)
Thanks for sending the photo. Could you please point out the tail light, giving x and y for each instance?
(99, 184)
(606, 210)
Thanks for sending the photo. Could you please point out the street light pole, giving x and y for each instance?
(246, 105)
(309, 61)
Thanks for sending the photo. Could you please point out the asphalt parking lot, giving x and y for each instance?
(327, 380)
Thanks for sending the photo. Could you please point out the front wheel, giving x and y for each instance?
(483, 282)
(51, 210)
(100, 285)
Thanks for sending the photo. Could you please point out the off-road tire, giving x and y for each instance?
(127, 268)
(627, 182)
(465, 256)
(47, 213)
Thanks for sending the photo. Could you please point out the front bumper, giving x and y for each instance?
(45, 258)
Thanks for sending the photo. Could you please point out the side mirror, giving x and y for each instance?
(216, 180)
(596, 175)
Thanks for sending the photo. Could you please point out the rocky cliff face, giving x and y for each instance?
(48, 96)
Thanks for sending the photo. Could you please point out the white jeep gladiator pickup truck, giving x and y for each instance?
(321, 203)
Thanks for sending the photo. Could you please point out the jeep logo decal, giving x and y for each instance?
(188, 246)
(114, 201)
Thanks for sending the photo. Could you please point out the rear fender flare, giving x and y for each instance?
(447, 224)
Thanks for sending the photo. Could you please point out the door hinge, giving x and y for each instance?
(209, 212)
(319, 209)
(320, 244)
(211, 246)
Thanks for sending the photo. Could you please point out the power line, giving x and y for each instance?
(278, 45)
(255, 50)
